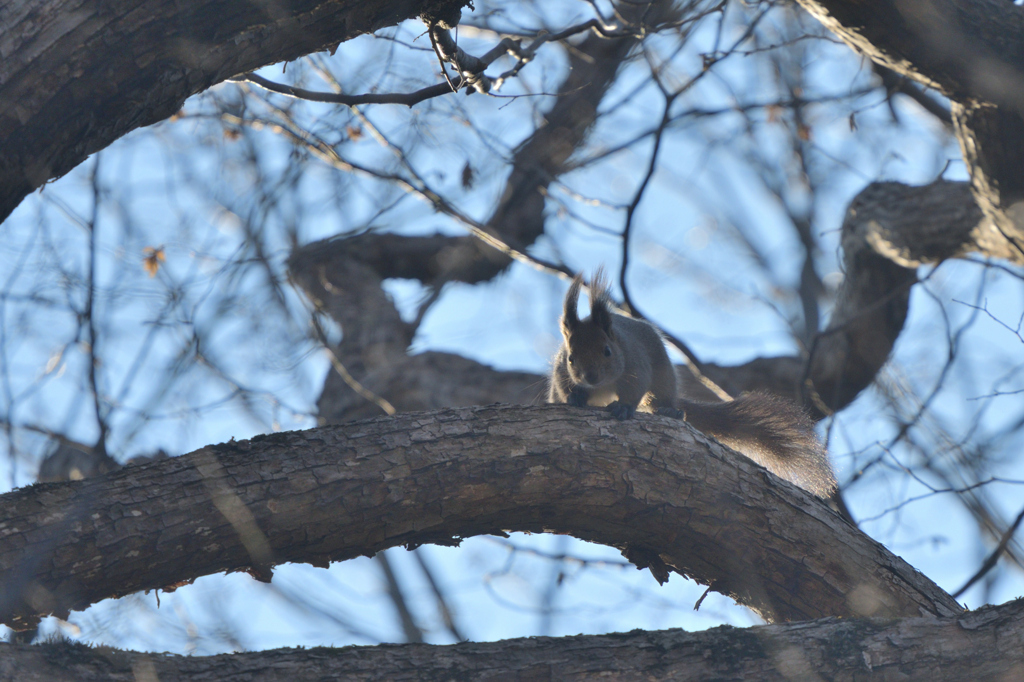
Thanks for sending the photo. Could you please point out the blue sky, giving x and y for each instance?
(715, 259)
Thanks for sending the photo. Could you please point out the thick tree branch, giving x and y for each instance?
(968, 49)
(987, 644)
(971, 50)
(75, 77)
(653, 487)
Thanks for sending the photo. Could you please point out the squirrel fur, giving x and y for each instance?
(619, 362)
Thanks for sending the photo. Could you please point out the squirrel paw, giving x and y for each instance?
(621, 410)
(577, 398)
(670, 412)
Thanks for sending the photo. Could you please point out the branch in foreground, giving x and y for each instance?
(67, 89)
(987, 644)
(652, 487)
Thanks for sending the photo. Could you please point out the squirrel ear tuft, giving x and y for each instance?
(600, 312)
(570, 319)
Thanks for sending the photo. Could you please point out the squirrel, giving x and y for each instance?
(619, 362)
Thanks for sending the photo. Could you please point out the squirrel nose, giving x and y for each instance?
(591, 377)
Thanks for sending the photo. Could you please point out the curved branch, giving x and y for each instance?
(406, 98)
(75, 77)
(652, 487)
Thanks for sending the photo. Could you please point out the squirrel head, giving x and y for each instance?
(595, 356)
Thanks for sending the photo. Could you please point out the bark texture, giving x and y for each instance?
(987, 644)
(75, 76)
(652, 487)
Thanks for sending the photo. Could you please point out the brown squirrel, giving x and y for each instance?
(620, 362)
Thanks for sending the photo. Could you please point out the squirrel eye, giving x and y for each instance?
(607, 351)
(571, 359)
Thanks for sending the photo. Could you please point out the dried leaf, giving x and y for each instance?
(152, 258)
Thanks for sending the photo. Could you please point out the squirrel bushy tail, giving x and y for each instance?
(770, 430)
(619, 363)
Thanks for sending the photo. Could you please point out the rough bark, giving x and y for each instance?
(652, 487)
(75, 76)
(987, 644)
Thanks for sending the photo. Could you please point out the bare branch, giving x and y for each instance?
(987, 644)
(652, 487)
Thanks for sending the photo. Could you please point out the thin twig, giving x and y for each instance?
(695, 365)
(347, 377)
(442, 603)
(471, 68)
(329, 155)
(412, 632)
(89, 313)
(990, 562)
